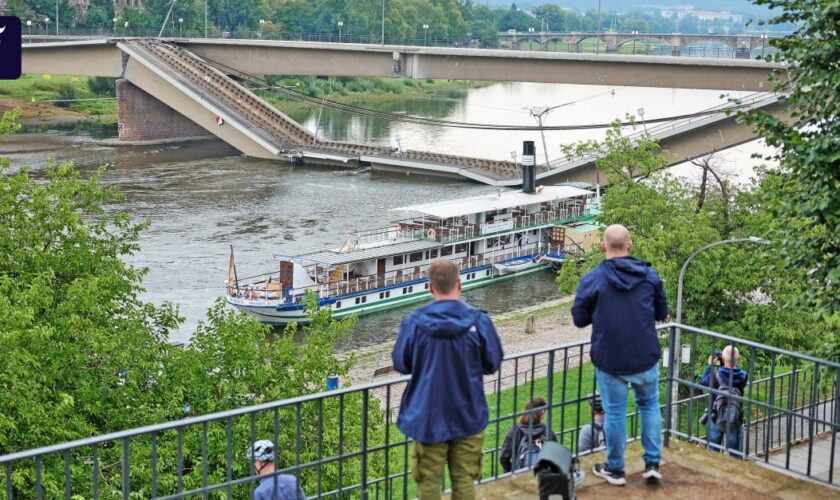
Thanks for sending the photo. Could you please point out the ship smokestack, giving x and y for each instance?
(528, 168)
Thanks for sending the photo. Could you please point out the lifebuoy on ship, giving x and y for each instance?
(432, 234)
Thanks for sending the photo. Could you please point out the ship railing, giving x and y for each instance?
(448, 234)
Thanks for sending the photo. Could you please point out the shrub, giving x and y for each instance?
(102, 86)
(67, 95)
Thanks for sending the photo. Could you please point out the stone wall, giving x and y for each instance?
(141, 117)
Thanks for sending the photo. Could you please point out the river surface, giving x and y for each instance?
(201, 199)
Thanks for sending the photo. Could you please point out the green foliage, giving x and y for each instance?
(67, 95)
(102, 86)
(742, 289)
(8, 122)
(808, 147)
(83, 355)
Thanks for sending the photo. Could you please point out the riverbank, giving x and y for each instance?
(57, 102)
(552, 326)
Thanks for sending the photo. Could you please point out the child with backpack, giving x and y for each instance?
(726, 415)
(524, 441)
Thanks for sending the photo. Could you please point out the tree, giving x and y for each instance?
(808, 147)
(739, 289)
(84, 355)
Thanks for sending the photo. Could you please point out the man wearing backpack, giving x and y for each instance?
(726, 416)
(622, 299)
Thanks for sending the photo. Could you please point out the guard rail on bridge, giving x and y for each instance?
(345, 442)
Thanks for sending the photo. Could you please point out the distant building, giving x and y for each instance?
(709, 15)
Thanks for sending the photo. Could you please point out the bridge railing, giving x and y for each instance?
(345, 443)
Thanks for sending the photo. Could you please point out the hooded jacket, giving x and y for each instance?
(447, 347)
(622, 299)
(738, 377)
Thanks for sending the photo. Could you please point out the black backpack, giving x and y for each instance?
(530, 446)
(727, 409)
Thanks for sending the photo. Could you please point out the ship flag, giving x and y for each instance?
(233, 281)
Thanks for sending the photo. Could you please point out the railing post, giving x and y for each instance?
(669, 384)
(364, 425)
(126, 470)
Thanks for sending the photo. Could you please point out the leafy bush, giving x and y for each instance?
(67, 94)
(102, 86)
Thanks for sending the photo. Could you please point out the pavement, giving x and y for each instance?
(689, 472)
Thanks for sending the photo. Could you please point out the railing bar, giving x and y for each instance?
(835, 426)
(8, 468)
(340, 441)
(497, 389)
(364, 424)
(812, 409)
(204, 457)
(252, 435)
(790, 419)
(321, 444)
(126, 470)
(748, 413)
(669, 385)
(768, 435)
(67, 481)
(387, 443)
(298, 424)
(154, 464)
(179, 459)
(691, 393)
(229, 458)
(39, 488)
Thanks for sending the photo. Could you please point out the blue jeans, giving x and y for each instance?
(715, 438)
(614, 391)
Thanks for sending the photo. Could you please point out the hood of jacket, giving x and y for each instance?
(739, 376)
(446, 318)
(625, 273)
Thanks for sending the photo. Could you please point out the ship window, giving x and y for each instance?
(415, 257)
(433, 253)
(387, 294)
(398, 259)
(338, 305)
(357, 300)
(426, 286)
(381, 295)
(445, 251)
(410, 289)
(487, 273)
(364, 299)
(405, 290)
(461, 248)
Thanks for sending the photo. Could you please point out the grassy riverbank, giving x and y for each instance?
(82, 103)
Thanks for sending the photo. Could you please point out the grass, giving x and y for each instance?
(45, 88)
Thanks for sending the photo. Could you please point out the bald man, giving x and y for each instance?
(728, 375)
(622, 299)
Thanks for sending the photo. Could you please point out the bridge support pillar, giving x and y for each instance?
(141, 117)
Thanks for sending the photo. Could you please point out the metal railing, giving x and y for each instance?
(345, 443)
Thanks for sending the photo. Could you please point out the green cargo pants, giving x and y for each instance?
(464, 459)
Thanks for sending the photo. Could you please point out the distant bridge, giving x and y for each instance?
(740, 46)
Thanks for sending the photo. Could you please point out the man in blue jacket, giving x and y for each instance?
(447, 347)
(622, 299)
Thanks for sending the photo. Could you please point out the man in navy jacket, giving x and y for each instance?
(622, 299)
(447, 347)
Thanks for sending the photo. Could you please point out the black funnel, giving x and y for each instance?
(528, 169)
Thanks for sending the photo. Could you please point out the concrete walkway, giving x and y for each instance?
(690, 472)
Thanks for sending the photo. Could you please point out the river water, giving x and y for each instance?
(201, 199)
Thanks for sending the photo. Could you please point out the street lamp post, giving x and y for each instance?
(180, 26)
(29, 26)
(56, 17)
(340, 24)
(425, 34)
(530, 40)
(205, 18)
(674, 354)
(115, 25)
(382, 40)
(763, 39)
(47, 22)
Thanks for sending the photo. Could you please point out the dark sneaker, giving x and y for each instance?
(651, 472)
(612, 476)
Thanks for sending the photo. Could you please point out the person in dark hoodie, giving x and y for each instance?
(622, 299)
(447, 347)
(728, 375)
(526, 437)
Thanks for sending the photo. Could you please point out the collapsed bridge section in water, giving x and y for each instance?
(205, 98)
